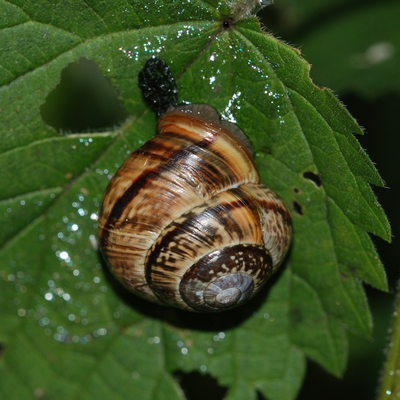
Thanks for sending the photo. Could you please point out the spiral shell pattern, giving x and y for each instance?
(185, 221)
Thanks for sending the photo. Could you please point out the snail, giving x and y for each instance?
(185, 221)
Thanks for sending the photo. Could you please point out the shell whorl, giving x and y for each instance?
(185, 221)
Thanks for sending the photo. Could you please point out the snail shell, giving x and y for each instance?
(185, 221)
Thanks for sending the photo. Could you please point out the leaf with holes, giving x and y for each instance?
(68, 329)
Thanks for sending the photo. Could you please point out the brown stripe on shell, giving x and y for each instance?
(206, 172)
(229, 218)
(165, 178)
(276, 221)
(228, 147)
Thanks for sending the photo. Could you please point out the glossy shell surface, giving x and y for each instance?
(185, 222)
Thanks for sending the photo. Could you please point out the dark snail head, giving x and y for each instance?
(158, 86)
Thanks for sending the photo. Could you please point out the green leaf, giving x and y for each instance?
(68, 329)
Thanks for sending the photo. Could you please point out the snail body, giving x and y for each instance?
(185, 221)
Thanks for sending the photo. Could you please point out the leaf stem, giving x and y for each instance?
(390, 381)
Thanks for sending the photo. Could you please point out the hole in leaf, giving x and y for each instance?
(296, 190)
(298, 209)
(2, 347)
(313, 177)
(260, 396)
(84, 100)
(197, 386)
